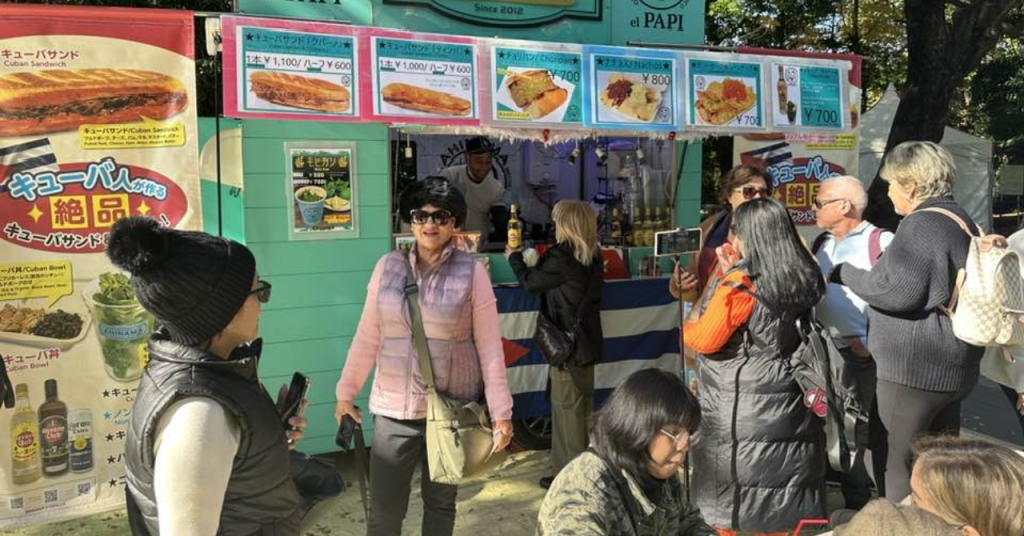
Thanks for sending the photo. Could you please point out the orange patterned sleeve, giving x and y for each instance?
(728, 310)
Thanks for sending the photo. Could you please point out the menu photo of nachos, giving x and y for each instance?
(723, 101)
(628, 96)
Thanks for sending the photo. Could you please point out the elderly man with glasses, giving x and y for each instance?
(839, 206)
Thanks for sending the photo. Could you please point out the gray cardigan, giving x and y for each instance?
(912, 341)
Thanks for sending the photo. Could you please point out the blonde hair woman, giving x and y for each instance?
(568, 278)
(974, 485)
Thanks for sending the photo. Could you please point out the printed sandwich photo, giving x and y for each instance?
(54, 101)
(301, 92)
(535, 92)
(425, 100)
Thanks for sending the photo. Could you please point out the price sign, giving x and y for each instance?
(423, 79)
(809, 96)
(537, 86)
(724, 94)
(632, 88)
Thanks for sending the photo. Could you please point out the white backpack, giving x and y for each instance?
(987, 303)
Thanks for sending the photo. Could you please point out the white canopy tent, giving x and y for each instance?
(973, 156)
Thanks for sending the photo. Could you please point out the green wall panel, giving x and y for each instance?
(319, 285)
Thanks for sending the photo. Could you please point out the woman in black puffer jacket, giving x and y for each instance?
(569, 281)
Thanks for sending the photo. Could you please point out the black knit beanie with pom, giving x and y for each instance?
(193, 283)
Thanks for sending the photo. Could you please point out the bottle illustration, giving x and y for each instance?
(80, 440)
(515, 229)
(24, 439)
(783, 91)
(53, 432)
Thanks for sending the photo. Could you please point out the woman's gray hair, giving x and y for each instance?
(923, 164)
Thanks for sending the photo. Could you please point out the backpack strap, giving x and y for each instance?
(875, 245)
(959, 221)
(819, 241)
(961, 274)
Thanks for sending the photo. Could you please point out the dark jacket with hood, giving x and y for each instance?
(261, 497)
(564, 283)
(760, 461)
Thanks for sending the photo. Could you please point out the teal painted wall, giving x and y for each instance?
(319, 285)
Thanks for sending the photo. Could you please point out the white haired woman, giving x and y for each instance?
(569, 281)
(924, 371)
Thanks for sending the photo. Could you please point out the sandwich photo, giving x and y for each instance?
(301, 92)
(54, 101)
(425, 100)
(722, 102)
(535, 92)
(629, 96)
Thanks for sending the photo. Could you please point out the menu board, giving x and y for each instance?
(724, 94)
(321, 190)
(808, 96)
(423, 78)
(631, 88)
(535, 86)
(282, 69)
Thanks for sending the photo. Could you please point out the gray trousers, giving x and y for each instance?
(398, 448)
(572, 401)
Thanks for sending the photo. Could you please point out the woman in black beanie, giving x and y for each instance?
(206, 452)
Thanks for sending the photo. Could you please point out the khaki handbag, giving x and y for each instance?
(459, 438)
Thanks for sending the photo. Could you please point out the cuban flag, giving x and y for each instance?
(770, 155)
(31, 156)
(641, 330)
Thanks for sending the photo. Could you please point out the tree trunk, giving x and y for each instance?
(940, 55)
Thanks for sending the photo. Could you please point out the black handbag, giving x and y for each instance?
(556, 344)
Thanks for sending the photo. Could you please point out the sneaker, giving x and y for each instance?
(546, 482)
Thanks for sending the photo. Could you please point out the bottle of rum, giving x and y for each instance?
(515, 229)
(649, 228)
(53, 432)
(783, 91)
(616, 227)
(24, 439)
(638, 229)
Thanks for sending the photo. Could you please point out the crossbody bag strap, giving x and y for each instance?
(419, 337)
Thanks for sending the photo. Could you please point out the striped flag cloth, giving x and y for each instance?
(641, 330)
(31, 156)
(772, 155)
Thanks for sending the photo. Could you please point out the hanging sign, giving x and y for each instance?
(321, 190)
(536, 85)
(283, 69)
(724, 94)
(423, 78)
(808, 95)
(631, 88)
(510, 13)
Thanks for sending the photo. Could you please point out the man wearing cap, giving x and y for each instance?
(475, 179)
(206, 451)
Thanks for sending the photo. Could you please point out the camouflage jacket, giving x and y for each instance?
(585, 500)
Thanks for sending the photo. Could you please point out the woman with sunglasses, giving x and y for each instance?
(460, 317)
(760, 464)
(206, 451)
(628, 482)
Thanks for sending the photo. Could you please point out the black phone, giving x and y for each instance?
(291, 406)
(346, 432)
(677, 242)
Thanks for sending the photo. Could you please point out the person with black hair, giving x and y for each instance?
(206, 452)
(480, 188)
(760, 463)
(628, 482)
(460, 318)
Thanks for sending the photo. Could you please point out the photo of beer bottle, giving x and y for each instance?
(53, 432)
(80, 440)
(24, 439)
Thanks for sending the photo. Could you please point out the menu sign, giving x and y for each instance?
(532, 86)
(807, 95)
(723, 94)
(510, 13)
(290, 69)
(630, 88)
(321, 190)
(416, 78)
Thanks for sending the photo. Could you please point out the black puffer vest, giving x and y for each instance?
(261, 497)
(759, 463)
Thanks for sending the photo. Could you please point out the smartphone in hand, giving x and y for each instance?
(291, 406)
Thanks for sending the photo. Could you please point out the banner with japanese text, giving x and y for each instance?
(97, 122)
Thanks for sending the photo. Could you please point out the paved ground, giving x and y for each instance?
(506, 503)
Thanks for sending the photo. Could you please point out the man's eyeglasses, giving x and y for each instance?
(262, 291)
(420, 217)
(819, 204)
(749, 192)
(680, 440)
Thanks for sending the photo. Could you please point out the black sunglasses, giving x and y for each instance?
(420, 217)
(262, 291)
(750, 191)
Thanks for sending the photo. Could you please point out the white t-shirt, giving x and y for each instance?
(480, 197)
